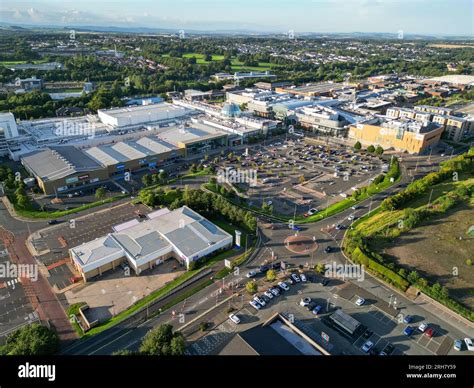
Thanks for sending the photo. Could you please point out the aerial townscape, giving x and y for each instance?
(176, 183)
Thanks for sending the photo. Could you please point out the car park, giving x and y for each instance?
(234, 318)
(360, 301)
(409, 331)
(367, 346)
(469, 344)
(283, 286)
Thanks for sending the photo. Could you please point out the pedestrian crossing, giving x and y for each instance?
(12, 283)
(211, 342)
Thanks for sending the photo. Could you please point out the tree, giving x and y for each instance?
(147, 180)
(100, 193)
(271, 275)
(251, 287)
(320, 268)
(379, 150)
(370, 149)
(161, 341)
(31, 340)
(162, 176)
(358, 146)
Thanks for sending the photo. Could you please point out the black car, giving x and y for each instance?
(324, 281)
(387, 350)
(263, 268)
(327, 249)
(276, 265)
(52, 222)
(367, 334)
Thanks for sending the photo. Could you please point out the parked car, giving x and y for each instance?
(328, 249)
(234, 318)
(255, 305)
(317, 309)
(367, 334)
(251, 274)
(422, 327)
(259, 300)
(408, 331)
(283, 286)
(407, 319)
(275, 291)
(305, 301)
(268, 294)
(469, 344)
(324, 282)
(387, 350)
(263, 268)
(429, 332)
(457, 345)
(303, 277)
(367, 346)
(295, 277)
(360, 301)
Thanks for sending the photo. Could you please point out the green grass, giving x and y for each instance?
(11, 63)
(61, 213)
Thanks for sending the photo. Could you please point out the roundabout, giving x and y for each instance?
(301, 244)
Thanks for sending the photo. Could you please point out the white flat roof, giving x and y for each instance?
(139, 110)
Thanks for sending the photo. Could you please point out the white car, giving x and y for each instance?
(284, 286)
(367, 346)
(259, 300)
(234, 318)
(251, 274)
(422, 327)
(360, 301)
(305, 301)
(303, 277)
(351, 217)
(274, 291)
(255, 305)
(469, 344)
(268, 294)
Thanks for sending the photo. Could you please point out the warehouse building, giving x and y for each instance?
(182, 234)
(58, 169)
(140, 115)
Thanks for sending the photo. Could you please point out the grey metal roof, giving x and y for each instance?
(58, 162)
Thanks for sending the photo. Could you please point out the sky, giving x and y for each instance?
(428, 17)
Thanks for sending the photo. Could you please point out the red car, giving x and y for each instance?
(429, 332)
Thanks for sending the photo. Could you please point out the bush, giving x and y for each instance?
(31, 340)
